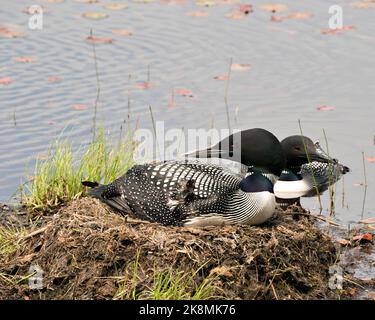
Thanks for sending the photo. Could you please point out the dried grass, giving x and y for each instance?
(86, 252)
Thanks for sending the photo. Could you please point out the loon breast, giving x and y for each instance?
(311, 176)
(244, 208)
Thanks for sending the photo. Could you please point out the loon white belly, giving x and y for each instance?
(261, 204)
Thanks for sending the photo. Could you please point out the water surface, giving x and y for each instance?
(294, 70)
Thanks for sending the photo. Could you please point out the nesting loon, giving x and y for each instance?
(307, 169)
(190, 192)
(305, 177)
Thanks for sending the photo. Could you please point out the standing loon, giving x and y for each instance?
(189, 192)
(303, 178)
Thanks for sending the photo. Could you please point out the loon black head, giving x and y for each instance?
(256, 182)
(300, 149)
(256, 147)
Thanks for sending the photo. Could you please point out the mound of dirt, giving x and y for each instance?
(85, 249)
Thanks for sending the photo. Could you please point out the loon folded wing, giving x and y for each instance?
(208, 178)
(233, 167)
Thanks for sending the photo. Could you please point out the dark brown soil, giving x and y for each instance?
(84, 249)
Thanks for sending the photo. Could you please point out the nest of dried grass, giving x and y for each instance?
(84, 250)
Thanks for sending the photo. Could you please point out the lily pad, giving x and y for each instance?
(197, 14)
(54, 1)
(274, 7)
(223, 77)
(368, 220)
(95, 15)
(122, 32)
(362, 5)
(115, 6)
(144, 1)
(236, 15)
(79, 107)
(184, 92)
(99, 39)
(6, 81)
(88, 1)
(25, 59)
(325, 108)
(240, 67)
(7, 32)
(205, 3)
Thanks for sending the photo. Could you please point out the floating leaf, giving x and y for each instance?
(235, 15)
(88, 1)
(184, 92)
(337, 30)
(115, 6)
(41, 157)
(277, 18)
(229, 1)
(6, 32)
(370, 159)
(197, 14)
(362, 5)
(6, 81)
(95, 15)
(143, 85)
(54, 79)
(274, 7)
(173, 2)
(205, 3)
(144, 1)
(358, 184)
(122, 32)
(246, 8)
(240, 67)
(368, 220)
(35, 10)
(300, 15)
(343, 242)
(25, 59)
(222, 77)
(79, 107)
(367, 237)
(325, 108)
(293, 15)
(99, 39)
(54, 1)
